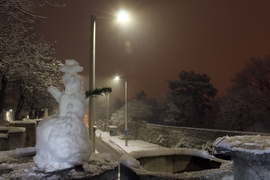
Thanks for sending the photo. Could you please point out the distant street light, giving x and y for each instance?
(126, 131)
(122, 16)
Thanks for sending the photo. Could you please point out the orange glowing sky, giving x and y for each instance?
(166, 37)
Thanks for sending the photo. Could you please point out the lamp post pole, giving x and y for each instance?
(108, 104)
(126, 131)
(91, 119)
(126, 112)
(91, 114)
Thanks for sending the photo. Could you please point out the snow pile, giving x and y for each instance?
(98, 163)
(13, 167)
(255, 144)
(130, 161)
(9, 162)
(63, 140)
(19, 152)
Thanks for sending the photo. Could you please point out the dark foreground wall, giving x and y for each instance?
(11, 138)
(30, 126)
(183, 137)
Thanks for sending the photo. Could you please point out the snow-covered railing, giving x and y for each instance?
(250, 154)
(179, 137)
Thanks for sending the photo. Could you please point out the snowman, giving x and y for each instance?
(63, 140)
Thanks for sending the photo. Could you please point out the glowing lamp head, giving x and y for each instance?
(122, 16)
(117, 78)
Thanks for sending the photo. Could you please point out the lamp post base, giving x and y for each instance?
(126, 141)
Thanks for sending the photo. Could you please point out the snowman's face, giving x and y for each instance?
(72, 82)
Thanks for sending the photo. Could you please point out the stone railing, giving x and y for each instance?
(183, 137)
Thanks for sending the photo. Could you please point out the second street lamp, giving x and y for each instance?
(126, 131)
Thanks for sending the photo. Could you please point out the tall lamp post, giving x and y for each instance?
(126, 131)
(108, 105)
(122, 16)
(91, 114)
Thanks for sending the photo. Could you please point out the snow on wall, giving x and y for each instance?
(182, 137)
(253, 144)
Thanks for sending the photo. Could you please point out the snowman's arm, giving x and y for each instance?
(55, 92)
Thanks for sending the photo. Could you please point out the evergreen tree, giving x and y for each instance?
(190, 97)
(137, 111)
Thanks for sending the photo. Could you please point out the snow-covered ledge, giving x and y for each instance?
(250, 154)
(178, 163)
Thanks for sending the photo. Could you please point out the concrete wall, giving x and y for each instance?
(177, 163)
(182, 137)
(12, 138)
(174, 164)
(30, 126)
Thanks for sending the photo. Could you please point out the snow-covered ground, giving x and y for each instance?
(19, 164)
(133, 145)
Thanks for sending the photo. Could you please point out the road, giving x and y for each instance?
(103, 147)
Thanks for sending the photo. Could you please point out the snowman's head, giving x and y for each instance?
(72, 82)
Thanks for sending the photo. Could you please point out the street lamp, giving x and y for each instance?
(91, 119)
(108, 104)
(126, 131)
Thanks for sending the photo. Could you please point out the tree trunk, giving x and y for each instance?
(4, 82)
(20, 103)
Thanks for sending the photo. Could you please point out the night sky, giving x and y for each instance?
(163, 38)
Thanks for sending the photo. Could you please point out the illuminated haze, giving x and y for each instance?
(163, 38)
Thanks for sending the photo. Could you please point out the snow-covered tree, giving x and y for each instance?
(151, 103)
(246, 105)
(140, 95)
(189, 97)
(137, 111)
(244, 109)
(170, 113)
(25, 58)
(117, 104)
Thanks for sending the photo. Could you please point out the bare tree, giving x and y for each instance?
(244, 109)
(256, 73)
(246, 104)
